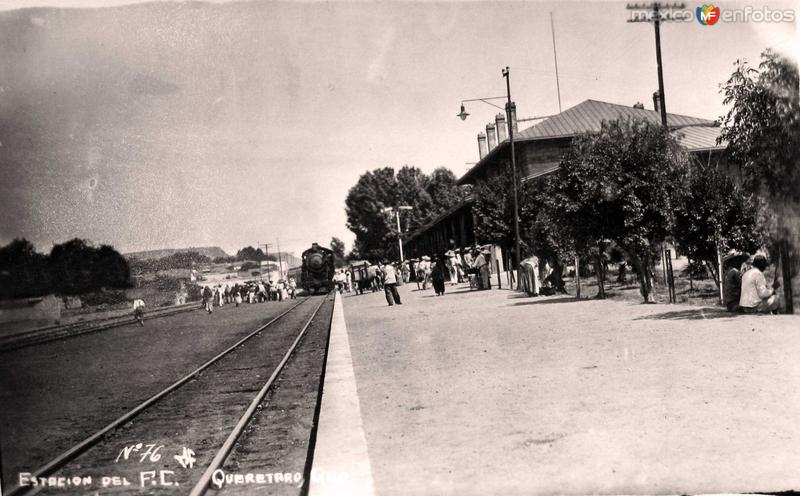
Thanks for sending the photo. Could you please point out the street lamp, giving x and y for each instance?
(463, 115)
(397, 215)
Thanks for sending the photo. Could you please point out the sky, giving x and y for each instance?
(179, 124)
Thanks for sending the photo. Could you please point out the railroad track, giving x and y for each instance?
(51, 333)
(220, 386)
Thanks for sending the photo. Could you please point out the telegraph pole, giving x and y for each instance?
(266, 255)
(280, 259)
(517, 250)
(657, 18)
(656, 7)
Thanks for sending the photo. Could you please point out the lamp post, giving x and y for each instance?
(399, 230)
(463, 115)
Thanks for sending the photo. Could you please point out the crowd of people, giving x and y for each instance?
(248, 292)
(745, 286)
(454, 266)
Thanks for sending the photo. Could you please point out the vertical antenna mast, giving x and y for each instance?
(555, 59)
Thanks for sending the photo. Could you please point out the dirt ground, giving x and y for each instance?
(55, 394)
(495, 393)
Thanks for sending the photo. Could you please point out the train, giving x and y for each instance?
(316, 271)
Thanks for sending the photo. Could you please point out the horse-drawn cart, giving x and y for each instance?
(361, 277)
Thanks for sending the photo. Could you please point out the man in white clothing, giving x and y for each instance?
(756, 296)
(390, 283)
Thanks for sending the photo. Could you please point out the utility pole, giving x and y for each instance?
(266, 255)
(396, 211)
(555, 60)
(280, 259)
(517, 250)
(656, 19)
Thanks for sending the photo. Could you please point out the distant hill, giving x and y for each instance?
(211, 252)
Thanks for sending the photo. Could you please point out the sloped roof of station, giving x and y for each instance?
(699, 139)
(695, 133)
(589, 115)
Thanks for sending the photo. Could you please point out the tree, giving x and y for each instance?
(77, 267)
(493, 211)
(71, 267)
(616, 186)
(412, 186)
(23, 271)
(762, 131)
(111, 270)
(337, 246)
(713, 215)
(545, 236)
(373, 191)
(443, 191)
(376, 230)
(250, 253)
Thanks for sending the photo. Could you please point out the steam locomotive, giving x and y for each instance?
(317, 270)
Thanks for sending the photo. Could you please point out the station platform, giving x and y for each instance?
(493, 392)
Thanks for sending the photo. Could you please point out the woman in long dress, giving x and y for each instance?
(438, 275)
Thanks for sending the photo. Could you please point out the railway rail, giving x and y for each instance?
(51, 333)
(245, 364)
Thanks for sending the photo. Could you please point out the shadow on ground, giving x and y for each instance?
(691, 314)
(545, 300)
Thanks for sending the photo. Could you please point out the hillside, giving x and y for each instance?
(211, 252)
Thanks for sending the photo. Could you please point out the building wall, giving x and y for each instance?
(533, 158)
(457, 227)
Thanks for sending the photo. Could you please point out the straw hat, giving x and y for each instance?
(732, 254)
(426, 258)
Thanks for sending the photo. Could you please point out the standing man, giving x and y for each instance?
(756, 296)
(450, 263)
(208, 299)
(390, 283)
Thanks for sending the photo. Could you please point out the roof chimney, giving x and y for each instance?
(500, 123)
(513, 114)
(482, 151)
(491, 136)
(656, 101)
(638, 105)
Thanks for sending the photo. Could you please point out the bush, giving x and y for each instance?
(104, 298)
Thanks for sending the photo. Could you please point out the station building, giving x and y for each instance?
(539, 149)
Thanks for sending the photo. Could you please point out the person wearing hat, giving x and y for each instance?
(732, 283)
(468, 258)
(390, 283)
(756, 296)
(450, 263)
(424, 270)
(485, 269)
(480, 266)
